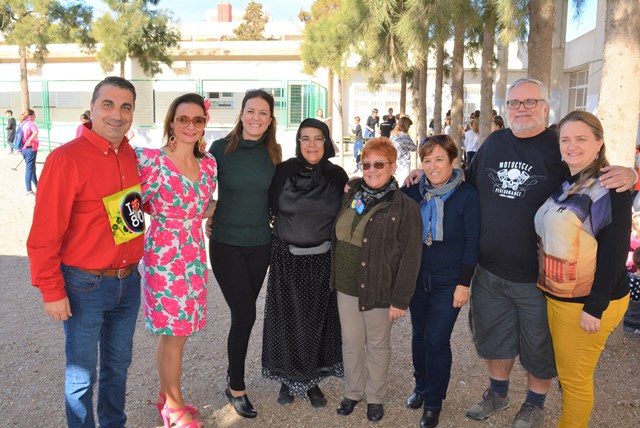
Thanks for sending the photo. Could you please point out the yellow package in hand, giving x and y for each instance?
(125, 214)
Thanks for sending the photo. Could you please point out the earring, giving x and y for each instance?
(171, 144)
(202, 145)
(597, 156)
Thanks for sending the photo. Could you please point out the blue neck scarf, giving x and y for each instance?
(432, 205)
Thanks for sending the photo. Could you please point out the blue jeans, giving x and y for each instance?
(104, 310)
(30, 162)
(432, 319)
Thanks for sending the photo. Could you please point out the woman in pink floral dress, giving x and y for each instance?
(178, 182)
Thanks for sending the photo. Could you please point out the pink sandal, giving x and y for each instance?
(168, 423)
(162, 399)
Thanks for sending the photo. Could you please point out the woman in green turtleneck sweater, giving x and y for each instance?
(240, 242)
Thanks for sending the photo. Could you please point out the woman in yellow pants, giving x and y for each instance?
(583, 235)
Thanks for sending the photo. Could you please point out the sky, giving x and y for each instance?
(193, 10)
(287, 10)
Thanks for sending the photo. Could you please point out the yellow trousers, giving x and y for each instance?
(577, 353)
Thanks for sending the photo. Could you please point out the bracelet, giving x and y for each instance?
(462, 287)
(636, 173)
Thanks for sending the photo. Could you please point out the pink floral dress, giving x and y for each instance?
(174, 264)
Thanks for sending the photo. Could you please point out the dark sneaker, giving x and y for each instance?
(529, 416)
(490, 403)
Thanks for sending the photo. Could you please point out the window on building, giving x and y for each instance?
(578, 82)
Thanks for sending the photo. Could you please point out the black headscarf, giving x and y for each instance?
(293, 166)
(329, 151)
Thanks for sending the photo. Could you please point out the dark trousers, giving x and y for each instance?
(240, 272)
(432, 319)
(30, 173)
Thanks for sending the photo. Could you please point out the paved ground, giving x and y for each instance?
(32, 360)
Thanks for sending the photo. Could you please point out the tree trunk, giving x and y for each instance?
(541, 21)
(422, 105)
(457, 83)
(619, 102)
(24, 81)
(486, 85)
(122, 69)
(415, 90)
(339, 122)
(502, 76)
(437, 108)
(403, 93)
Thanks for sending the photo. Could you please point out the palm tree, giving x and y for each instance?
(619, 102)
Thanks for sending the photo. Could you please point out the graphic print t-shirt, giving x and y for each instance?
(514, 176)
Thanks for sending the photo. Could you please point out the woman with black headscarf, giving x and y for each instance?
(301, 342)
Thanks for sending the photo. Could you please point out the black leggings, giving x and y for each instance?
(240, 272)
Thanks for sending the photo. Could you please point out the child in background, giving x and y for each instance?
(358, 142)
(632, 317)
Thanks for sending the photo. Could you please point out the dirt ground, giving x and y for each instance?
(32, 360)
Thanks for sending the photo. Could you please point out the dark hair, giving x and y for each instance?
(273, 148)
(636, 257)
(117, 81)
(593, 169)
(85, 116)
(189, 98)
(381, 145)
(9, 111)
(498, 121)
(25, 114)
(442, 140)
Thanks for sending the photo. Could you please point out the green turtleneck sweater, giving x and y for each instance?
(242, 213)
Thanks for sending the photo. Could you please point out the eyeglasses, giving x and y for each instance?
(318, 139)
(376, 165)
(184, 121)
(528, 104)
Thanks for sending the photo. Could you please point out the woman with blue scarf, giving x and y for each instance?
(451, 218)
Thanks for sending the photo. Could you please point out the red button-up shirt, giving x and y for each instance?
(70, 222)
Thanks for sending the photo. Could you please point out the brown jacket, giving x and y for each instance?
(390, 254)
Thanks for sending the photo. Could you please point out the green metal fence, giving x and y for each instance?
(59, 103)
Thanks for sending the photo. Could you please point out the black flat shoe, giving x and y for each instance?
(241, 404)
(429, 418)
(316, 397)
(284, 397)
(375, 412)
(415, 401)
(346, 406)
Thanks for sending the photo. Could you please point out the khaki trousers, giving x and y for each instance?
(366, 350)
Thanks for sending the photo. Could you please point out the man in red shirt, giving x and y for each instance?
(84, 246)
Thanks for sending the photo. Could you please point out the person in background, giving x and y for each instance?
(372, 124)
(84, 246)
(178, 181)
(632, 316)
(301, 343)
(385, 127)
(240, 244)
(375, 255)
(320, 116)
(11, 129)
(393, 120)
(404, 145)
(472, 139)
(583, 236)
(447, 125)
(497, 123)
(358, 142)
(451, 219)
(29, 149)
(84, 118)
